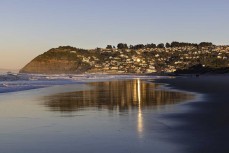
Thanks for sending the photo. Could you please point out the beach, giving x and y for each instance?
(117, 115)
(204, 128)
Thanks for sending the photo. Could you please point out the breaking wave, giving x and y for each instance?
(11, 82)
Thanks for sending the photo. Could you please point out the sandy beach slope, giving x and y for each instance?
(203, 129)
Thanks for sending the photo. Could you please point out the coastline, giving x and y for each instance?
(204, 127)
(37, 116)
(192, 126)
(20, 82)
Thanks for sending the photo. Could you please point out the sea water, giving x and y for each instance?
(12, 82)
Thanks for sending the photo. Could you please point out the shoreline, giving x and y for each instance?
(198, 125)
(33, 81)
(42, 119)
(204, 128)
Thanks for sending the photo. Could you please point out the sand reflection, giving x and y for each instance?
(140, 118)
(115, 95)
(121, 96)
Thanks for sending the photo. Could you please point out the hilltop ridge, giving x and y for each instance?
(140, 58)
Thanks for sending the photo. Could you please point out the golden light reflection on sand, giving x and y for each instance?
(118, 97)
(140, 117)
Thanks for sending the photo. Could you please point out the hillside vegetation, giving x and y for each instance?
(150, 58)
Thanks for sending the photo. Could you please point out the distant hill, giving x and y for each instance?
(56, 61)
(174, 57)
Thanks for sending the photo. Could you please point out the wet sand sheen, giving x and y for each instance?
(204, 128)
(113, 95)
(112, 116)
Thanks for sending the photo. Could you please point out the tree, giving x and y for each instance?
(150, 45)
(109, 47)
(205, 44)
(139, 46)
(153, 45)
(161, 45)
(182, 44)
(122, 46)
(167, 45)
(175, 44)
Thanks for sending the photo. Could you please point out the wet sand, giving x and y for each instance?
(117, 116)
(204, 127)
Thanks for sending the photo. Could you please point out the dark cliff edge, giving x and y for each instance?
(57, 61)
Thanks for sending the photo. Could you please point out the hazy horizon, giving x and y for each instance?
(31, 27)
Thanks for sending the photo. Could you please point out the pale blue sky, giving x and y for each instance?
(30, 27)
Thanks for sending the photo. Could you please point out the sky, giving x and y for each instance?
(30, 27)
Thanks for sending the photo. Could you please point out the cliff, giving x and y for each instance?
(57, 61)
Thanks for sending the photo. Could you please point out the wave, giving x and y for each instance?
(12, 82)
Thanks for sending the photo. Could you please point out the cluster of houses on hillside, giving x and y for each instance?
(152, 60)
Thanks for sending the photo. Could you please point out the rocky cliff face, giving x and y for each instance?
(56, 61)
(53, 66)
